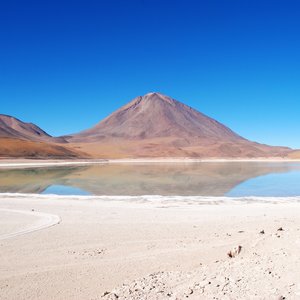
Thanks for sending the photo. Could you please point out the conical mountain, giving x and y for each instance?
(155, 125)
(155, 116)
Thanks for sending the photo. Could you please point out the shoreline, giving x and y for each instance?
(159, 199)
(23, 163)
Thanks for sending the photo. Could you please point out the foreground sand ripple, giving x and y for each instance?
(45, 220)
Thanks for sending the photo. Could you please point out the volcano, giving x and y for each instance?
(155, 125)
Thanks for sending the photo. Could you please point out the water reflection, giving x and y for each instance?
(206, 179)
(271, 185)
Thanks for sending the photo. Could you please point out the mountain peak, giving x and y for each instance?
(154, 96)
(148, 100)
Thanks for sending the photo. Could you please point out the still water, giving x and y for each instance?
(199, 179)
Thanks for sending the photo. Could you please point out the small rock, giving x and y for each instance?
(262, 232)
(105, 294)
(235, 251)
(280, 229)
(292, 284)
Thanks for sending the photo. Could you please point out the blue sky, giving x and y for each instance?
(67, 65)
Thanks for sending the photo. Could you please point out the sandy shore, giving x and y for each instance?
(96, 248)
(29, 163)
(24, 163)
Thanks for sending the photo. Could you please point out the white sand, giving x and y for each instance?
(29, 163)
(148, 249)
(40, 221)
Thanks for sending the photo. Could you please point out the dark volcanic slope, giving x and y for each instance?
(11, 127)
(154, 116)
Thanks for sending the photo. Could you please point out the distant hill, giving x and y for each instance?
(26, 140)
(155, 125)
(11, 127)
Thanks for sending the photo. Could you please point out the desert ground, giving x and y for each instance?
(58, 247)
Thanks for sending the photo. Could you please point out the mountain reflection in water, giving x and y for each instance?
(197, 179)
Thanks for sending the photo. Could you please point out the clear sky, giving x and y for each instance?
(65, 65)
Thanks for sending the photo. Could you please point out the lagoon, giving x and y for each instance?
(232, 179)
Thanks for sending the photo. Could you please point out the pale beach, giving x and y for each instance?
(29, 163)
(67, 247)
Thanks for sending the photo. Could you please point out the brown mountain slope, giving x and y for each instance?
(11, 127)
(155, 125)
(294, 154)
(17, 148)
(26, 140)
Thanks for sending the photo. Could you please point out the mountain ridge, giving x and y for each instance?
(27, 140)
(11, 127)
